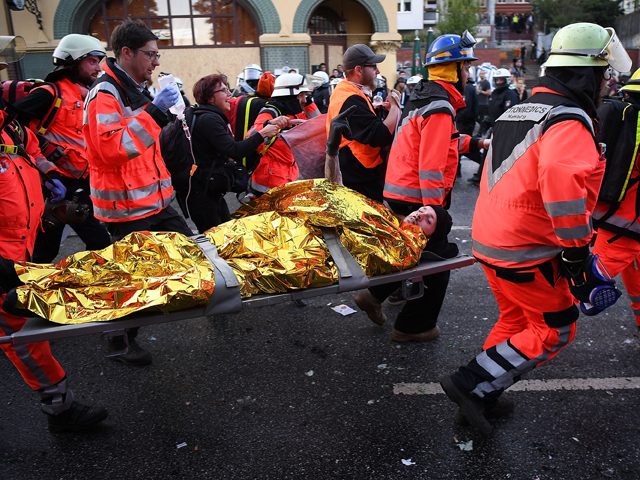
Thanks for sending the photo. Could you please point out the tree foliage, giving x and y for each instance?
(458, 16)
(559, 13)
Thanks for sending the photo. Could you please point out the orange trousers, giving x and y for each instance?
(622, 257)
(537, 320)
(34, 361)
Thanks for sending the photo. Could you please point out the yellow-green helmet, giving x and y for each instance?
(633, 85)
(588, 45)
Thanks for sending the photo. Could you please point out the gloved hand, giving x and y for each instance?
(589, 282)
(8, 277)
(166, 98)
(308, 99)
(339, 128)
(57, 189)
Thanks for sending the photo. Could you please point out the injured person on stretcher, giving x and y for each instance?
(275, 244)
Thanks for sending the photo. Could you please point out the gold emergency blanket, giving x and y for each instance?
(274, 246)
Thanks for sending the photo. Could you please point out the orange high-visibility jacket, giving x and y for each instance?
(66, 129)
(277, 165)
(424, 157)
(540, 183)
(367, 155)
(121, 126)
(21, 202)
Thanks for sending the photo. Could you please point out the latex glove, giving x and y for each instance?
(308, 99)
(339, 128)
(166, 98)
(57, 189)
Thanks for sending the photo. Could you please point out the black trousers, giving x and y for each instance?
(421, 314)
(92, 232)
(206, 210)
(166, 220)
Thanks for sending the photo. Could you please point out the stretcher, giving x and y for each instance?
(226, 296)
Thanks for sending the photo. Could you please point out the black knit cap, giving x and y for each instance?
(443, 224)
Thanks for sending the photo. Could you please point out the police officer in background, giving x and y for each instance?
(21, 208)
(77, 65)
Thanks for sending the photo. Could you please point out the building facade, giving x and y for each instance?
(200, 37)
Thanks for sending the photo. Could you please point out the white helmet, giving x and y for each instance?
(333, 83)
(74, 47)
(502, 73)
(414, 80)
(290, 84)
(322, 75)
(252, 72)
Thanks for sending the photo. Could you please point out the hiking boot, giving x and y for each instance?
(371, 306)
(396, 297)
(503, 407)
(78, 418)
(135, 357)
(475, 180)
(398, 336)
(472, 410)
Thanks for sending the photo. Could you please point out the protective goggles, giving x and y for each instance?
(613, 53)
(466, 41)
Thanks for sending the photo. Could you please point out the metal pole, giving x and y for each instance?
(491, 12)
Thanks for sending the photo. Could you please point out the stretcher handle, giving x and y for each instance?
(350, 274)
(407, 288)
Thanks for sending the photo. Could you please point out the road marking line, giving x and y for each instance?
(625, 383)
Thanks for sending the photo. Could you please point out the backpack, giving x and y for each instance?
(621, 142)
(14, 90)
(176, 151)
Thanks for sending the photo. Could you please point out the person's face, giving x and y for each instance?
(425, 218)
(402, 74)
(220, 97)
(144, 61)
(340, 68)
(368, 72)
(464, 72)
(88, 69)
(323, 68)
(519, 63)
(483, 76)
(335, 72)
(520, 83)
(302, 98)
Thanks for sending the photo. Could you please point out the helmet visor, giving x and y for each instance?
(467, 40)
(252, 74)
(615, 54)
(12, 49)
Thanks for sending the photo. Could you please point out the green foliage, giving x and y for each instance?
(559, 13)
(458, 16)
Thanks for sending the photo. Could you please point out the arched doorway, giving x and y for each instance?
(328, 39)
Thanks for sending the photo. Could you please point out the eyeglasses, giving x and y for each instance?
(225, 90)
(152, 55)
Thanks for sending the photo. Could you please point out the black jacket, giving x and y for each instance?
(470, 112)
(502, 99)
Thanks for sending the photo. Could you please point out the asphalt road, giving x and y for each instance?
(285, 392)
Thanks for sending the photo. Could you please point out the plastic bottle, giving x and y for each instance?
(377, 100)
(178, 108)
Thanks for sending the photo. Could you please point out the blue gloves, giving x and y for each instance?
(166, 98)
(57, 189)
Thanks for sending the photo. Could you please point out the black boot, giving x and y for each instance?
(136, 356)
(77, 418)
(473, 410)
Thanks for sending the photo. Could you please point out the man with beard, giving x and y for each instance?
(77, 65)
(291, 103)
(361, 156)
(532, 221)
(422, 170)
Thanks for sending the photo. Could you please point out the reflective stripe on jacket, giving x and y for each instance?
(66, 129)
(367, 155)
(539, 185)
(21, 202)
(129, 180)
(424, 157)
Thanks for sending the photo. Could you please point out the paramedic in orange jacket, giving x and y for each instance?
(421, 171)
(532, 221)
(21, 208)
(361, 157)
(291, 102)
(77, 59)
(618, 240)
(130, 185)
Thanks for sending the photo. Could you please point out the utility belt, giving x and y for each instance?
(524, 274)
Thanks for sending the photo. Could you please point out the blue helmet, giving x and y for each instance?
(451, 48)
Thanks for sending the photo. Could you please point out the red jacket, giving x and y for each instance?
(277, 166)
(539, 187)
(21, 202)
(129, 180)
(424, 157)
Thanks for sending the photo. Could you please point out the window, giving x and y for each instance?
(179, 23)
(323, 21)
(404, 5)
